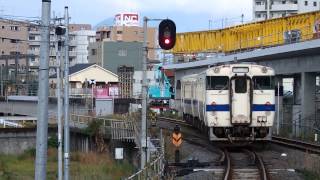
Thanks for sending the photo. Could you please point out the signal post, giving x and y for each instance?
(167, 39)
(177, 141)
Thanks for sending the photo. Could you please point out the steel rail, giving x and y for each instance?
(296, 144)
(228, 169)
(261, 166)
(176, 121)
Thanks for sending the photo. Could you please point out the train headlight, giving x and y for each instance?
(216, 70)
(264, 70)
(261, 119)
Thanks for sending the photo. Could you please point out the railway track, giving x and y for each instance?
(244, 165)
(291, 143)
(296, 144)
(175, 121)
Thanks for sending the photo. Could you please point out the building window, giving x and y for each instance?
(119, 32)
(283, 2)
(258, 3)
(2, 52)
(122, 52)
(14, 52)
(306, 3)
(32, 38)
(14, 40)
(295, 2)
(14, 28)
(314, 3)
(108, 34)
(2, 27)
(258, 15)
(93, 52)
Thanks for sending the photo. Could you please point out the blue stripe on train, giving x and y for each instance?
(217, 107)
(263, 107)
(226, 107)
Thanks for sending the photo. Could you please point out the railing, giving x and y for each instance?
(261, 42)
(154, 170)
(307, 129)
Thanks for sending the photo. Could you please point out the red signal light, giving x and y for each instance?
(167, 41)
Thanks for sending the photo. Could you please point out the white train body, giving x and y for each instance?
(230, 102)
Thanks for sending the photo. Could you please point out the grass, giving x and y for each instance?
(82, 166)
(308, 175)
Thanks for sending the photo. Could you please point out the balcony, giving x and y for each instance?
(34, 52)
(260, 8)
(284, 7)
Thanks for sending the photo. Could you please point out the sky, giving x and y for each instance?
(189, 15)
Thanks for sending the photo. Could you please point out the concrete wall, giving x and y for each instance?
(294, 64)
(116, 54)
(30, 108)
(16, 141)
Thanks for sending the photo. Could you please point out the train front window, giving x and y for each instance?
(217, 83)
(241, 84)
(263, 82)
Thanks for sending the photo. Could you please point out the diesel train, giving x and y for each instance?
(232, 102)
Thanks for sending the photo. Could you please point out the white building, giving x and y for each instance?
(137, 82)
(82, 39)
(78, 46)
(267, 9)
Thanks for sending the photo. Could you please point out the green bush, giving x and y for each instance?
(93, 128)
(53, 142)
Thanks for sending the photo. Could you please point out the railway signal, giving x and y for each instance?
(167, 34)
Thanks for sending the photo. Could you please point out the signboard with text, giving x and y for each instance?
(126, 19)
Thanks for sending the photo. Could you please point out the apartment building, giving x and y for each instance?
(128, 34)
(267, 9)
(79, 39)
(13, 39)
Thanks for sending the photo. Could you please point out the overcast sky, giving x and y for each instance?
(189, 15)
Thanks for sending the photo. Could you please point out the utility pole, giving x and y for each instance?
(66, 98)
(242, 18)
(1, 74)
(43, 92)
(58, 59)
(144, 97)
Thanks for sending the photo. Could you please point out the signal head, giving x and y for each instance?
(167, 34)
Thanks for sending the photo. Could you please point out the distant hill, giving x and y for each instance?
(106, 22)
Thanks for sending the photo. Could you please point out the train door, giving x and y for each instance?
(240, 100)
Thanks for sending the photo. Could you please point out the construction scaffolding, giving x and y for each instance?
(16, 76)
(125, 74)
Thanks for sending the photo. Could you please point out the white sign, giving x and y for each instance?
(119, 153)
(92, 81)
(126, 19)
(113, 91)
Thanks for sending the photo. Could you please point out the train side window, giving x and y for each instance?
(217, 83)
(263, 82)
(241, 85)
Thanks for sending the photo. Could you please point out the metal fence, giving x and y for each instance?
(307, 129)
(153, 171)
